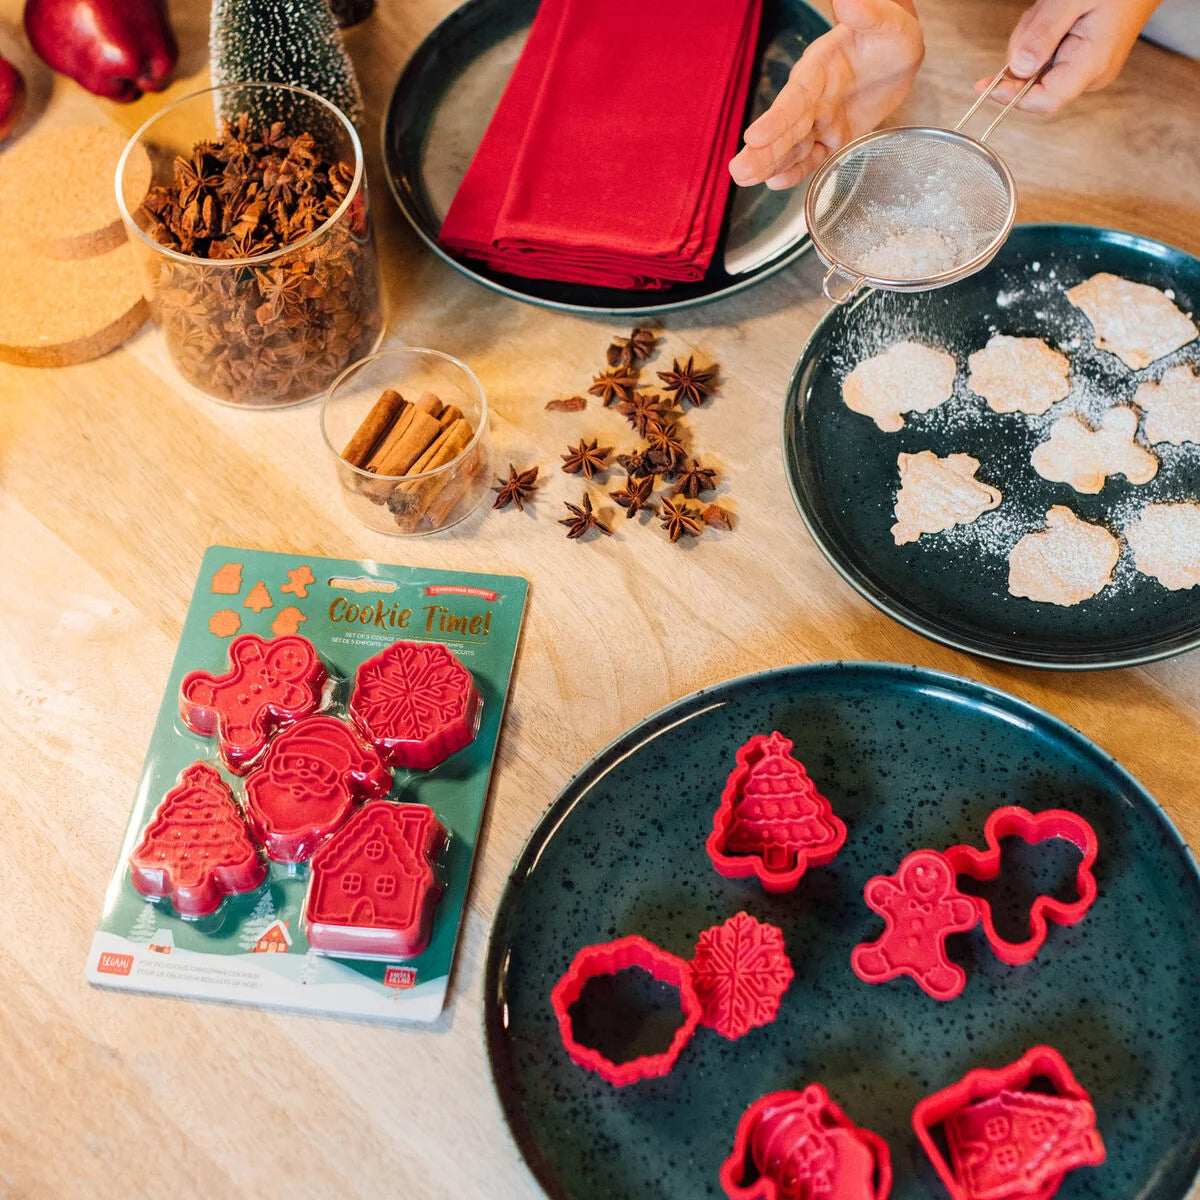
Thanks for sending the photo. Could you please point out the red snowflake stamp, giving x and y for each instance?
(416, 703)
(740, 971)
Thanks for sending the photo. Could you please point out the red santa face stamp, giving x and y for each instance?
(310, 778)
(196, 849)
(268, 684)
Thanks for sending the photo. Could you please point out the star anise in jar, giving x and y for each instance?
(664, 449)
(586, 458)
(690, 383)
(644, 410)
(516, 489)
(617, 384)
(635, 495)
(679, 520)
(582, 519)
(637, 347)
(693, 479)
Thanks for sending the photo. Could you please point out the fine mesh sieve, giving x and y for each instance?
(912, 208)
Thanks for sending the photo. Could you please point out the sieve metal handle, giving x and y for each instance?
(843, 297)
(1007, 73)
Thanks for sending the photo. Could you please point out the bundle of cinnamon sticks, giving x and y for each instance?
(408, 443)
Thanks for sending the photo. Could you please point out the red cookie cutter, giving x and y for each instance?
(196, 849)
(1032, 828)
(740, 971)
(801, 1146)
(269, 684)
(607, 959)
(373, 889)
(307, 783)
(772, 822)
(921, 907)
(416, 703)
(1007, 1143)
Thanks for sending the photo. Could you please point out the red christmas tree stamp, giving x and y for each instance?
(196, 849)
(268, 684)
(772, 822)
(309, 779)
(740, 971)
(373, 889)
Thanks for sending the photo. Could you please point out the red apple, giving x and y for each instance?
(12, 97)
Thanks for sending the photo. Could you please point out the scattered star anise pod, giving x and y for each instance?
(664, 449)
(585, 458)
(582, 519)
(635, 495)
(637, 466)
(677, 519)
(637, 347)
(694, 479)
(617, 384)
(689, 383)
(516, 489)
(644, 409)
(717, 517)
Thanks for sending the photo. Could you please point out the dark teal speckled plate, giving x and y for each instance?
(908, 758)
(953, 587)
(449, 89)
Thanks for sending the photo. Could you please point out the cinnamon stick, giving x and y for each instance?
(466, 478)
(374, 427)
(409, 440)
(428, 402)
(414, 497)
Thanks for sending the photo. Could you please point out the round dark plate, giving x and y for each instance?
(953, 587)
(908, 758)
(446, 95)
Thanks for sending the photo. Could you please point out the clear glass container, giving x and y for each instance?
(269, 328)
(437, 476)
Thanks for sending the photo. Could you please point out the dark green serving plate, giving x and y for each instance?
(908, 758)
(446, 95)
(954, 587)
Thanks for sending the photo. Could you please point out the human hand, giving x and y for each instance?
(844, 84)
(1089, 41)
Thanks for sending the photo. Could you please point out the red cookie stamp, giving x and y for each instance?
(772, 822)
(196, 849)
(373, 889)
(921, 907)
(416, 703)
(607, 959)
(307, 783)
(801, 1146)
(270, 683)
(1030, 827)
(740, 971)
(1006, 1142)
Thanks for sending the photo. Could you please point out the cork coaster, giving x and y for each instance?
(55, 313)
(56, 190)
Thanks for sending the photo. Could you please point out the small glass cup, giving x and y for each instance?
(450, 476)
(270, 329)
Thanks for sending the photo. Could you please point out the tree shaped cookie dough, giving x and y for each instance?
(939, 493)
(1084, 457)
(1019, 374)
(907, 377)
(1067, 563)
(1165, 540)
(1172, 406)
(1135, 322)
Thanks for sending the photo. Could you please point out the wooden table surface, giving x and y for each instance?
(114, 478)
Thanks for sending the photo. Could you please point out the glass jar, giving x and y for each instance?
(276, 324)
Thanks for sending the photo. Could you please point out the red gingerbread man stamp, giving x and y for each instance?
(922, 907)
(269, 684)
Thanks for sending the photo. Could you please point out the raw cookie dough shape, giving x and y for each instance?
(227, 580)
(1066, 563)
(938, 493)
(1019, 374)
(1084, 457)
(1172, 406)
(1134, 321)
(1165, 540)
(907, 377)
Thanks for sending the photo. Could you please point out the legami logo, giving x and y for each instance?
(114, 964)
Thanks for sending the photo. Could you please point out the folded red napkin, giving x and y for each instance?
(605, 160)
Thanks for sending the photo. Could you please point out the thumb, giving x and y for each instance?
(864, 16)
(1039, 32)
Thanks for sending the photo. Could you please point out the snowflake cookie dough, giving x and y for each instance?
(1067, 563)
(1084, 457)
(1172, 407)
(907, 377)
(1135, 322)
(1165, 540)
(1019, 374)
(937, 493)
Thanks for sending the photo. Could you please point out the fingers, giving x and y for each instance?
(1073, 72)
(1039, 32)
